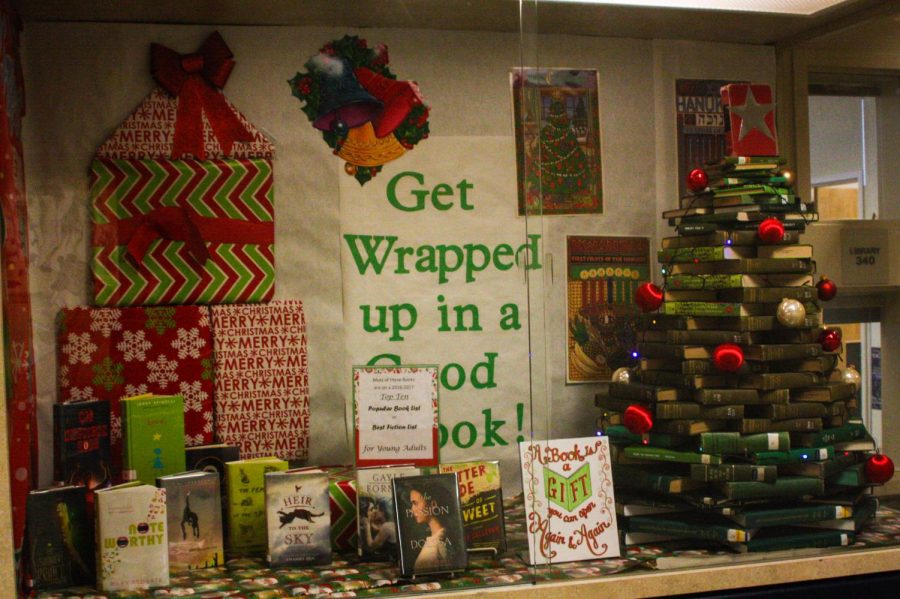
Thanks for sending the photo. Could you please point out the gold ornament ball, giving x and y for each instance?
(350, 169)
(791, 313)
(851, 375)
(621, 375)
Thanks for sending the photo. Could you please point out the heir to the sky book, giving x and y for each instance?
(60, 539)
(375, 506)
(429, 524)
(298, 516)
(133, 550)
(569, 502)
(194, 506)
(153, 435)
(81, 450)
(245, 486)
(482, 503)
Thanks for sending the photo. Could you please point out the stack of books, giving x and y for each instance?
(764, 456)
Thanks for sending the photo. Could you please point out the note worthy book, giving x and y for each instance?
(482, 503)
(133, 550)
(194, 507)
(375, 506)
(569, 501)
(298, 517)
(429, 524)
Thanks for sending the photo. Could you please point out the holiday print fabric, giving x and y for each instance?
(262, 385)
(111, 353)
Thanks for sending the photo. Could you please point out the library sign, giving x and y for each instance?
(865, 257)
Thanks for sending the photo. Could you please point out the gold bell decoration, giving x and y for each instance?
(362, 148)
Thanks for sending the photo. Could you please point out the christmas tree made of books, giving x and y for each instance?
(739, 425)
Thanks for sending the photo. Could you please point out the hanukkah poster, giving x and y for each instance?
(569, 502)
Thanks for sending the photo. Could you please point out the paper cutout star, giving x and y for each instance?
(157, 436)
(753, 116)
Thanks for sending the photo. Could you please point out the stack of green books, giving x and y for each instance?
(768, 456)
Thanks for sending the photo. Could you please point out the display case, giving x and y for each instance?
(255, 206)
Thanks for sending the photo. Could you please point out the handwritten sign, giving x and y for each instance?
(396, 415)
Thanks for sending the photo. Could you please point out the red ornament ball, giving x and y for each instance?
(648, 297)
(826, 289)
(697, 180)
(771, 230)
(879, 469)
(637, 419)
(728, 357)
(830, 339)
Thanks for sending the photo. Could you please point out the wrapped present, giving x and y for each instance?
(181, 193)
(342, 492)
(749, 119)
(262, 386)
(111, 353)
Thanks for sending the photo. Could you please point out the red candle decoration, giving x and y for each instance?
(879, 469)
(697, 180)
(648, 297)
(826, 289)
(637, 419)
(830, 339)
(728, 357)
(771, 230)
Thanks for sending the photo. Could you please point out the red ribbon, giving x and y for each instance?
(181, 224)
(195, 79)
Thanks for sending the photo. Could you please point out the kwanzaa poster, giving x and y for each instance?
(602, 275)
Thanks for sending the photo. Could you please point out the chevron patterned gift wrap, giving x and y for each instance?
(182, 231)
(342, 496)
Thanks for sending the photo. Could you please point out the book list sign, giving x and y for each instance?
(569, 502)
(396, 415)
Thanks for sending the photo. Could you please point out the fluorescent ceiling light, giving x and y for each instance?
(790, 7)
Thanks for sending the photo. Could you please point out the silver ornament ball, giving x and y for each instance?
(621, 375)
(851, 375)
(791, 313)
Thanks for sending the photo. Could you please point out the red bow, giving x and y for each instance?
(167, 223)
(195, 79)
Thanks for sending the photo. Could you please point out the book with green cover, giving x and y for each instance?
(617, 433)
(860, 515)
(667, 410)
(783, 486)
(737, 444)
(690, 526)
(794, 456)
(632, 477)
(733, 472)
(787, 515)
(726, 396)
(780, 380)
(663, 454)
(689, 427)
(776, 538)
(246, 491)
(153, 437)
(705, 254)
(782, 351)
(820, 469)
(748, 266)
(721, 237)
(719, 309)
(847, 432)
(750, 295)
(644, 392)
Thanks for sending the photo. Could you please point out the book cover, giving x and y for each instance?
(747, 266)
(662, 454)
(377, 511)
(153, 436)
(59, 550)
(82, 444)
(705, 253)
(735, 443)
(298, 517)
(784, 515)
(733, 472)
(750, 131)
(569, 500)
(690, 526)
(481, 500)
(429, 524)
(245, 486)
(783, 486)
(194, 516)
(133, 550)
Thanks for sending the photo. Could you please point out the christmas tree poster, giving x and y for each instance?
(602, 275)
(557, 126)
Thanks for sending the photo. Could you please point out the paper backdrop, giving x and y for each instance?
(433, 258)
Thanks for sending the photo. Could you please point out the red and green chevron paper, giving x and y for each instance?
(111, 353)
(342, 495)
(182, 231)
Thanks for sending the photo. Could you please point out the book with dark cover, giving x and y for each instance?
(642, 392)
(377, 511)
(429, 524)
(82, 444)
(194, 513)
(794, 456)
(780, 380)
(782, 515)
(828, 392)
(783, 486)
(481, 500)
(737, 444)
(690, 427)
(638, 478)
(708, 527)
(747, 266)
(212, 458)
(733, 472)
(662, 454)
(725, 237)
(863, 512)
(617, 433)
(153, 436)
(775, 538)
(298, 517)
(59, 544)
(830, 436)
(820, 469)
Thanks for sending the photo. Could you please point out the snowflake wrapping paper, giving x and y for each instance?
(182, 193)
(262, 383)
(111, 353)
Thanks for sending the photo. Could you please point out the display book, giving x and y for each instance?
(737, 425)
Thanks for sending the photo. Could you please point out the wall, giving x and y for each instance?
(83, 79)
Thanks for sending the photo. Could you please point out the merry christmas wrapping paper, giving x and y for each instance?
(182, 193)
(111, 353)
(262, 383)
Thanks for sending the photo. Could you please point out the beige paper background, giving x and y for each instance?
(82, 79)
